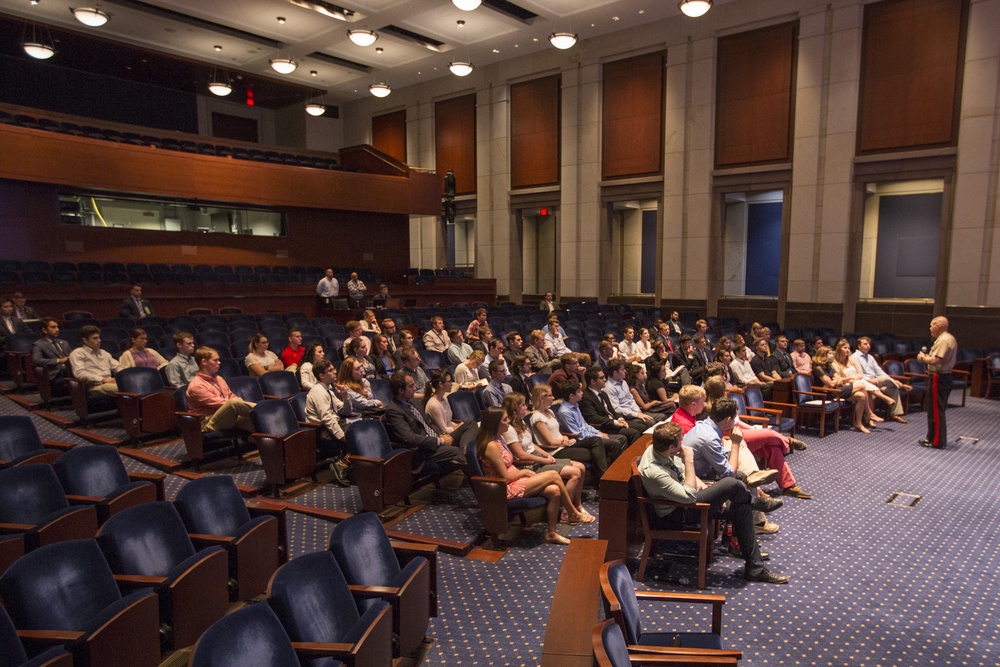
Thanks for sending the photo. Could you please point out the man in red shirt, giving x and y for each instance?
(209, 395)
(292, 354)
(691, 399)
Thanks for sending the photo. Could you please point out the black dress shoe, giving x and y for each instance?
(766, 505)
(924, 442)
(767, 577)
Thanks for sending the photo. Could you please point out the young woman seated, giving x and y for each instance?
(261, 360)
(825, 375)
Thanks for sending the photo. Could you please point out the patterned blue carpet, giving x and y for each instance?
(872, 583)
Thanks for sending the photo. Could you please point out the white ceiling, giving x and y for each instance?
(488, 36)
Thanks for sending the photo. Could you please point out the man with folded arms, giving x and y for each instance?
(210, 396)
(667, 471)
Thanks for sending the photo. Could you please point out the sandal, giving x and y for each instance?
(584, 517)
(557, 539)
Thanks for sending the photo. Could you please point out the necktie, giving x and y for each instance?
(420, 418)
(607, 403)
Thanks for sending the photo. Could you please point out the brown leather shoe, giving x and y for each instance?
(766, 528)
(761, 477)
(796, 492)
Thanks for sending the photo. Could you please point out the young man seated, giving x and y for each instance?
(209, 395)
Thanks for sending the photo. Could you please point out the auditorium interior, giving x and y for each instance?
(825, 168)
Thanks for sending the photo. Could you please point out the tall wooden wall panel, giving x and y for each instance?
(534, 132)
(911, 74)
(389, 134)
(455, 141)
(755, 86)
(632, 141)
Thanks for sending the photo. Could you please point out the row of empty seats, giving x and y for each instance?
(203, 147)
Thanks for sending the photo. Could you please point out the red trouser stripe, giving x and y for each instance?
(937, 414)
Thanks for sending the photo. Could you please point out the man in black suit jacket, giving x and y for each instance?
(698, 359)
(780, 360)
(596, 408)
(135, 306)
(52, 353)
(9, 324)
(407, 427)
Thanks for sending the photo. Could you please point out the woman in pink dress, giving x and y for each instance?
(497, 461)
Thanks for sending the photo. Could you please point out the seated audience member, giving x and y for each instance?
(720, 369)
(405, 343)
(573, 423)
(381, 299)
(874, 373)
(742, 369)
(801, 359)
(554, 343)
(467, 372)
(357, 391)
(825, 375)
(134, 306)
(569, 368)
(497, 389)
(690, 404)
(437, 409)
(354, 331)
(92, 364)
(369, 322)
(596, 408)
(485, 338)
(182, 367)
(628, 349)
(701, 327)
(815, 343)
(355, 291)
(520, 372)
(605, 352)
(660, 333)
(844, 365)
(697, 358)
(643, 346)
(406, 426)
(515, 347)
(22, 310)
(667, 471)
(765, 444)
(389, 329)
(621, 398)
(139, 354)
(307, 369)
(357, 350)
(780, 361)
(547, 304)
(260, 359)
(635, 379)
(459, 350)
(610, 337)
(324, 406)
(412, 366)
(437, 338)
(498, 461)
(52, 353)
(657, 384)
(540, 358)
(724, 343)
(548, 435)
(291, 356)
(494, 350)
(472, 331)
(209, 395)
(9, 323)
(328, 289)
(675, 371)
(381, 357)
(674, 324)
(761, 365)
(520, 441)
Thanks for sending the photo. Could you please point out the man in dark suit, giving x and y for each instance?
(52, 353)
(698, 358)
(596, 408)
(22, 310)
(134, 306)
(780, 360)
(407, 427)
(9, 323)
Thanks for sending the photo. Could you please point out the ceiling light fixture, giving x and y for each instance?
(695, 8)
(39, 46)
(91, 16)
(283, 65)
(220, 88)
(562, 40)
(467, 5)
(380, 89)
(363, 37)
(459, 68)
(315, 109)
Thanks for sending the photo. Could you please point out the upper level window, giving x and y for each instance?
(94, 210)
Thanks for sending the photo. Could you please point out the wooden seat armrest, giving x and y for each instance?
(426, 550)
(127, 394)
(958, 371)
(696, 598)
(50, 637)
(155, 478)
(258, 507)
(672, 503)
(826, 390)
(822, 395)
(310, 425)
(58, 444)
(382, 592)
(201, 540)
(752, 418)
(901, 378)
(916, 375)
(14, 528)
(367, 459)
(779, 404)
(681, 650)
(75, 499)
(268, 436)
(490, 480)
(523, 463)
(132, 581)
(320, 650)
(766, 411)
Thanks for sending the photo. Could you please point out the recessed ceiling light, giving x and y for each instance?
(281, 20)
(217, 47)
